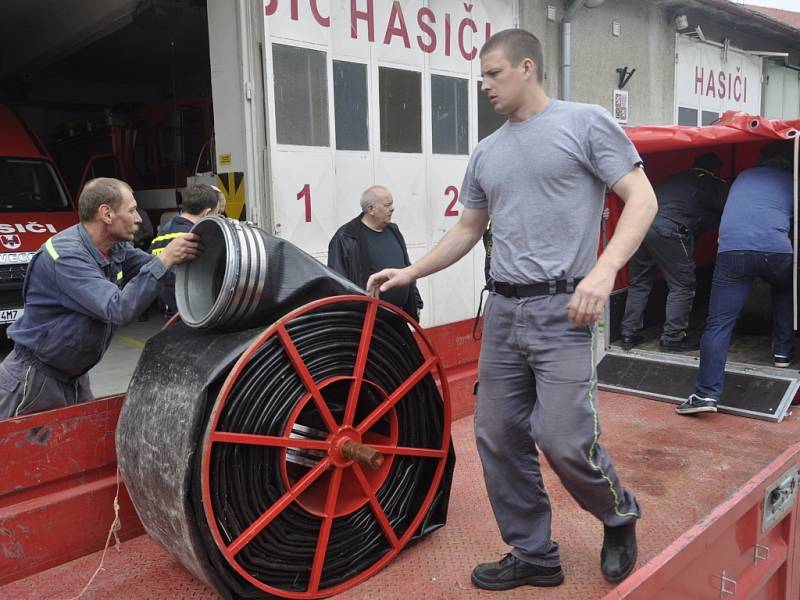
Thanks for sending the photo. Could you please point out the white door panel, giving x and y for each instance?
(304, 203)
(353, 176)
(404, 175)
(396, 33)
(317, 189)
(305, 25)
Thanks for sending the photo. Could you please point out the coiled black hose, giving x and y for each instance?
(267, 327)
(246, 479)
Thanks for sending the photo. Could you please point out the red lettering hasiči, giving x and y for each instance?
(429, 47)
(392, 29)
(447, 34)
(699, 79)
(270, 8)
(364, 15)
(710, 87)
(324, 21)
(461, 27)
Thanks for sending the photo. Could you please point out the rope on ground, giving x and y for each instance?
(115, 527)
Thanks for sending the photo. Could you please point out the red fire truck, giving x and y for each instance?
(34, 205)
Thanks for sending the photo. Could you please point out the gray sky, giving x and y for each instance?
(784, 4)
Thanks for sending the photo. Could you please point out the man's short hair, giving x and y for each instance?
(709, 161)
(102, 190)
(777, 154)
(517, 45)
(371, 196)
(198, 198)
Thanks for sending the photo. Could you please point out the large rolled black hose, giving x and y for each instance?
(197, 496)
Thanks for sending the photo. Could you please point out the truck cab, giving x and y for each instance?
(34, 205)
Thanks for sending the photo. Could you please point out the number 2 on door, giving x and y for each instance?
(450, 211)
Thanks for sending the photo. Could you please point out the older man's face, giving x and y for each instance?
(125, 220)
(382, 210)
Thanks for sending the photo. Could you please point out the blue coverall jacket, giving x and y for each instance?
(75, 298)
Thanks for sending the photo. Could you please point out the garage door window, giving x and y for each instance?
(301, 96)
(449, 115)
(488, 120)
(401, 110)
(350, 105)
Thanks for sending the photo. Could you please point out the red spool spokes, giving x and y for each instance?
(333, 485)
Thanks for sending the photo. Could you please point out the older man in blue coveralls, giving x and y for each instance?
(541, 177)
(80, 286)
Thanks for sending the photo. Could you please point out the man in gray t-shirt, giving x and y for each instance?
(541, 178)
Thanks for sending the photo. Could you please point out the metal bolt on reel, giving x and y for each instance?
(309, 498)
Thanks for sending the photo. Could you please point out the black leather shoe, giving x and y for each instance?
(618, 556)
(510, 572)
(683, 345)
(629, 341)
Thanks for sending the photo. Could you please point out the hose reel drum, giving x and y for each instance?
(298, 455)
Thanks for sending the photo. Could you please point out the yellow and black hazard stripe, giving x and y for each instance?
(232, 185)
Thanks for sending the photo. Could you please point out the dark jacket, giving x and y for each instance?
(693, 198)
(75, 298)
(347, 255)
(175, 227)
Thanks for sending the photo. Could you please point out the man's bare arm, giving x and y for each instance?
(588, 301)
(455, 244)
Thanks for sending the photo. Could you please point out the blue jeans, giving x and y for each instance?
(733, 276)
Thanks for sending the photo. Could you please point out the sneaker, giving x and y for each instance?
(510, 572)
(683, 345)
(618, 556)
(782, 361)
(629, 341)
(695, 404)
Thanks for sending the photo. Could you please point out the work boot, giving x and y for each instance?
(618, 556)
(629, 341)
(510, 572)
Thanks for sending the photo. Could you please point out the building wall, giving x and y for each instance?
(715, 30)
(646, 43)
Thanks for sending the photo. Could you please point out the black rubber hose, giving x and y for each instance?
(246, 480)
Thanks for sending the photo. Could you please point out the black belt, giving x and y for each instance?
(526, 290)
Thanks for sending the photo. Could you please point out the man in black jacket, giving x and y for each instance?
(199, 201)
(689, 203)
(370, 243)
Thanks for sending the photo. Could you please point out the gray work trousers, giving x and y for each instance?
(538, 389)
(28, 386)
(671, 247)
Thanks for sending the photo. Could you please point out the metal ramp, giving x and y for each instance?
(756, 392)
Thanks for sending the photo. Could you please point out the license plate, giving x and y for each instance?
(10, 315)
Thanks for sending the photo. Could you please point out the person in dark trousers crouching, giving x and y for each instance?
(80, 286)
(689, 203)
(753, 242)
(198, 201)
(371, 242)
(541, 178)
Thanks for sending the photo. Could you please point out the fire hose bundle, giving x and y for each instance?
(287, 437)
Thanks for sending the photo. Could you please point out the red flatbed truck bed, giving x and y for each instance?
(701, 483)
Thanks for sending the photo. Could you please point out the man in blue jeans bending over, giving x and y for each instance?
(753, 242)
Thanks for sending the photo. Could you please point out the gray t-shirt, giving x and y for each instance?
(543, 181)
